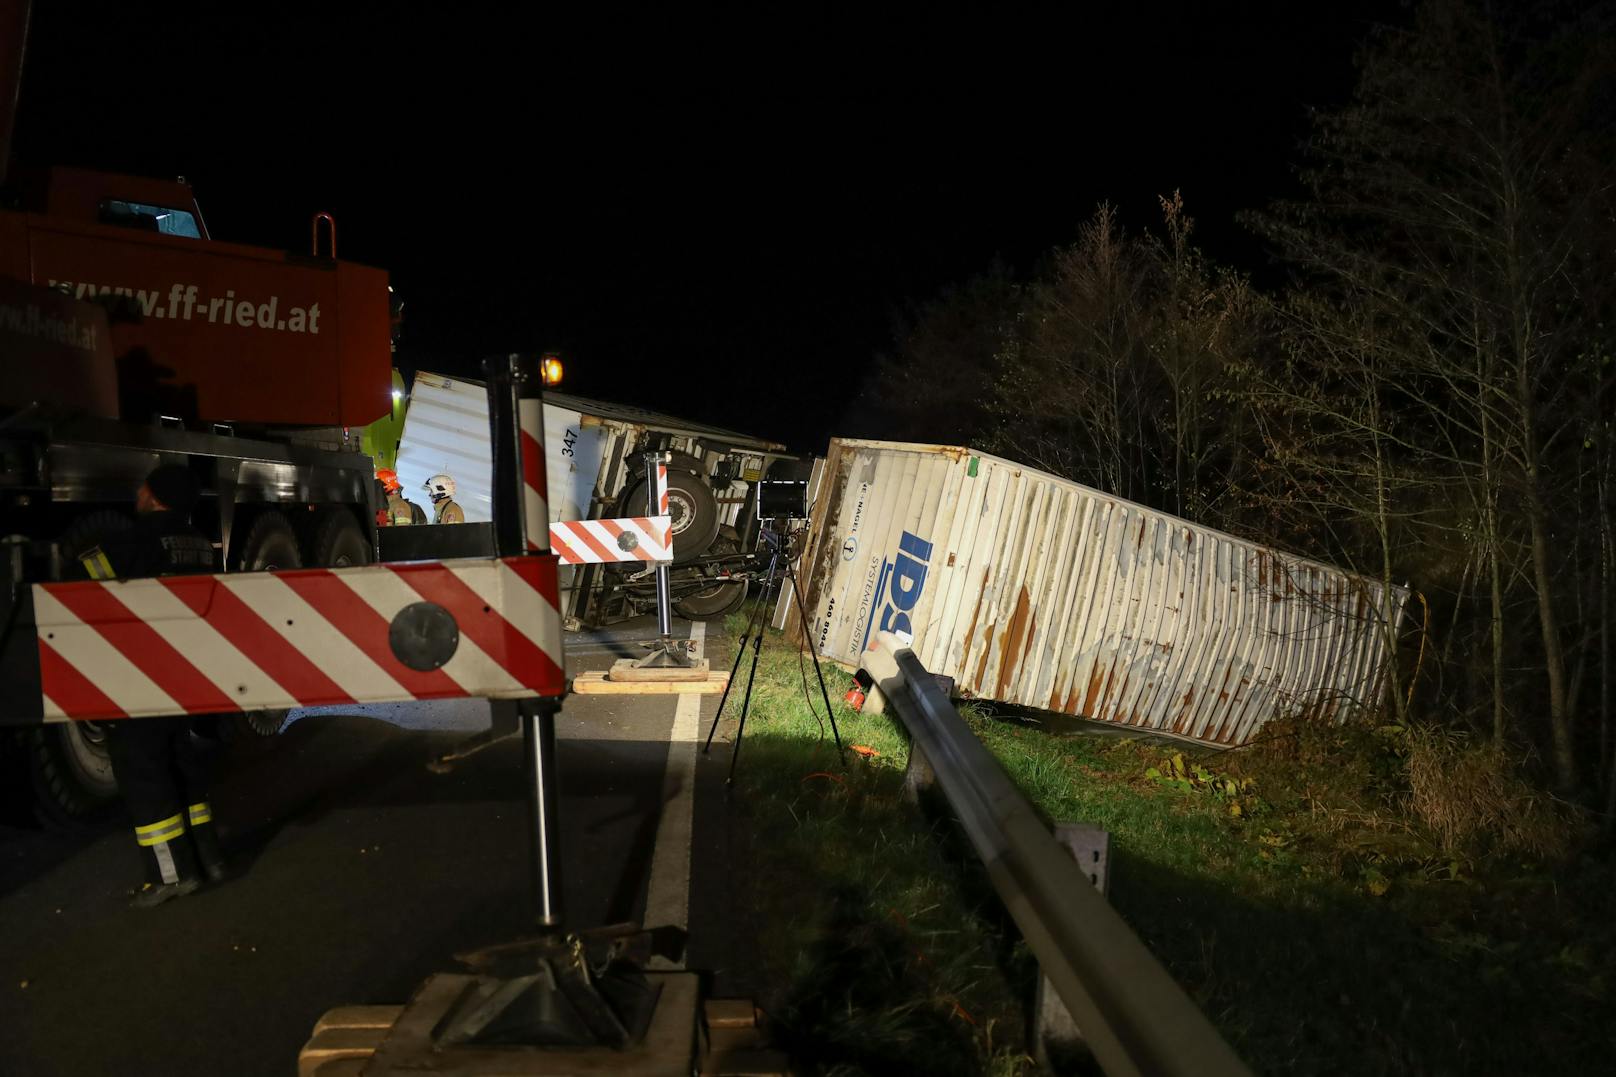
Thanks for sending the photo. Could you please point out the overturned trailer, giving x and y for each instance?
(1036, 591)
(593, 459)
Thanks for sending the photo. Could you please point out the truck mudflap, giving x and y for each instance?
(298, 638)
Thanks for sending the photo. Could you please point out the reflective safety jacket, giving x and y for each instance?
(159, 544)
(402, 511)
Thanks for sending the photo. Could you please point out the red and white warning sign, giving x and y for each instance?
(633, 538)
(299, 638)
(637, 538)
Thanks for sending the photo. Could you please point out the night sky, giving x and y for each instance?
(709, 214)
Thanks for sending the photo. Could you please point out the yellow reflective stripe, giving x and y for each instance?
(200, 813)
(172, 820)
(157, 833)
(161, 837)
(97, 565)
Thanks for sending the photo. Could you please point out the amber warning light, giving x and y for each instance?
(550, 368)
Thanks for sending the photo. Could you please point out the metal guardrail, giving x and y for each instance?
(1132, 1014)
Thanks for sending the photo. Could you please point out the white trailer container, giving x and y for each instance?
(1033, 590)
(591, 456)
(588, 443)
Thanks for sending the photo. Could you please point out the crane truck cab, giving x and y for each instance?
(203, 331)
(167, 207)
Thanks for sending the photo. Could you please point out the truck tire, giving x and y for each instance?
(339, 542)
(71, 773)
(690, 503)
(719, 600)
(269, 544)
(68, 764)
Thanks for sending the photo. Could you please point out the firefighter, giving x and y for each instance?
(400, 510)
(441, 488)
(159, 765)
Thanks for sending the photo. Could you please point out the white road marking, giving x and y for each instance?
(667, 897)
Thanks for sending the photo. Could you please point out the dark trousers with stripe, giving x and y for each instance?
(163, 775)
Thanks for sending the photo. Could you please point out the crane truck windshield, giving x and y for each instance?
(147, 218)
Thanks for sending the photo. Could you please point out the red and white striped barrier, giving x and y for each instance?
(593, 542)
(535, 509)
(299, 638)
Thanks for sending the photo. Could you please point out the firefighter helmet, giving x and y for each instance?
(439, 487)
(389, 480)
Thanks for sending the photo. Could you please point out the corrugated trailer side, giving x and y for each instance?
(1037, 591)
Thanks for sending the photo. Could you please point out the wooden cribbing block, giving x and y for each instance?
(596, 683)
(730, 1013)
(332, 1044)
(358, 1017)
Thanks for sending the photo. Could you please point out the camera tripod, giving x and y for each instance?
(781, 569)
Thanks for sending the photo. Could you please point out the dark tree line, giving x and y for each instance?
(1429, 400)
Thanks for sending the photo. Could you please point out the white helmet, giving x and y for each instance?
(440, 487)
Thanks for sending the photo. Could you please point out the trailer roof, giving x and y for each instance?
(628, 413)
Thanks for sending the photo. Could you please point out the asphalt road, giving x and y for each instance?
(361, 872)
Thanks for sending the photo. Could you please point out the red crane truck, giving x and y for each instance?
(130, 337)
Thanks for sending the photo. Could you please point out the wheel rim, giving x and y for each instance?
(680, 511)
(86, 744)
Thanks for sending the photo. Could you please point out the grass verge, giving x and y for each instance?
(1330, 900)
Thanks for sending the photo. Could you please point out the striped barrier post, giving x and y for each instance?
(656, 467)
(666, 652)
(521, 529)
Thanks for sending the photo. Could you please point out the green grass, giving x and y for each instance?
(1320, 924)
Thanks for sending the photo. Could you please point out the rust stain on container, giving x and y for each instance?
(1121, 694)
(987, 652)
(1096, 686)
(1010, 641)
(1185, 714)
(970, 633)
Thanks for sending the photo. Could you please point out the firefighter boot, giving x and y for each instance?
(205, 839)
(171, 869)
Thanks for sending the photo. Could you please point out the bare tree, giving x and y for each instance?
(1115, 373)
(1457, 212)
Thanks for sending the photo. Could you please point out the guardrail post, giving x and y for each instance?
(919, 778)
(1056, 1038)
